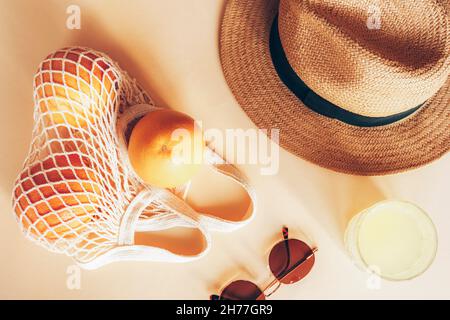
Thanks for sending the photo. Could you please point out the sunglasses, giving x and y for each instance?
(290, 260)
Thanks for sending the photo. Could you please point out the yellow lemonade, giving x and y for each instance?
(395, 239)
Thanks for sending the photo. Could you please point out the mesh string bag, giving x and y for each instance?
(77, 193)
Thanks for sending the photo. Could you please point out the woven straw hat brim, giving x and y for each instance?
(251, 76)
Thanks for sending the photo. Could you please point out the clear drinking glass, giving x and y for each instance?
(395, 239)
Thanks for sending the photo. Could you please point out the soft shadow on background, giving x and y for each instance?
(93, 35)
(21, 55)
(330, 197)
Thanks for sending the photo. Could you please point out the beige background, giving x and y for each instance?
(171, 47)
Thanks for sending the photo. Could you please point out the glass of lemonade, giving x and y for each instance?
(395, 239)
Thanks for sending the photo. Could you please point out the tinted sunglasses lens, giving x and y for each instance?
(242, 290)
(291, 260)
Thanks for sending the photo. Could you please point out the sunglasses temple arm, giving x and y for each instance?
(270, 285)
(288, 254)
(285, 233)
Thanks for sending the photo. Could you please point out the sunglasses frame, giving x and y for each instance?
(276, 281)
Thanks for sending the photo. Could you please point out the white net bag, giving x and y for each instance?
(77, 193)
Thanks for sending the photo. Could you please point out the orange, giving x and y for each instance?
(75, 90)
(57, 197)
(166, 148)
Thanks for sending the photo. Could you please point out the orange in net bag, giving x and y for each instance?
(77, 193)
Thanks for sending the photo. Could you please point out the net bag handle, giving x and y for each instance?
(126, 248)
(178, 215)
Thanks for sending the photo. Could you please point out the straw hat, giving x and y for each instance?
(346, 94)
